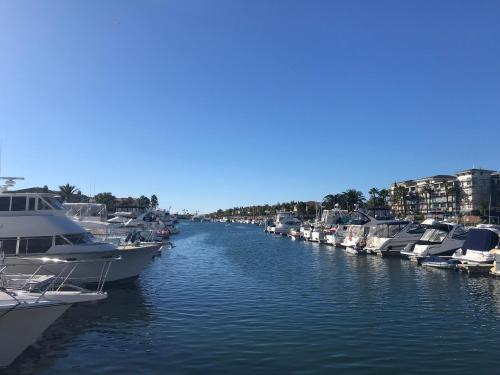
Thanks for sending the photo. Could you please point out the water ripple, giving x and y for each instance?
(231, 299)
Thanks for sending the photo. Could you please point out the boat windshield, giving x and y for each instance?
(359, 218)
(79, 238)
(385, 230)
(55, 203)
(434, 235)
(356, 231)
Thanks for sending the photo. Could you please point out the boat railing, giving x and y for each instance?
(45, 279)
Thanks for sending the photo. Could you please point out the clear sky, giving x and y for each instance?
(224, 103)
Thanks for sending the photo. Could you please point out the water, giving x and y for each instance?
(231, 299)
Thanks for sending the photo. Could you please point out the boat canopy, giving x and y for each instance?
(480, 240)
(441, 227)
(387, 229)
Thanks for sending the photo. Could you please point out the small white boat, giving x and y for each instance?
(438, 262)
(441, 239)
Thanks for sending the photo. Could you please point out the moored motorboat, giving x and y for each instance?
(441, 239)
(439, 262)
(34, 225)
(478, 246)
(285, 222)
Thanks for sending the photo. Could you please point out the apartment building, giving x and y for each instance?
(472, 191)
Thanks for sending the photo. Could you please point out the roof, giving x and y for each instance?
(34, 190)
(438, 177)
(472, 170)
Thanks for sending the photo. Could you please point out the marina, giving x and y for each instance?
(249, 187)
(232, 297)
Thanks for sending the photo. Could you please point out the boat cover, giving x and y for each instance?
(480, 239)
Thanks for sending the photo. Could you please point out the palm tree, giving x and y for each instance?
(373, 202)
(353, 197)
(67, 192)
(400, 198)
(384, 194)
(448, 188)
(154, 201)
(373, 193)
(428, 191)
(143, 202)
(108, 199)
(457, 196)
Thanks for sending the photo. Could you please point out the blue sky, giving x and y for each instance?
(224, 103)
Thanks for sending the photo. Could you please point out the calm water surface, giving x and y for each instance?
(229, 298)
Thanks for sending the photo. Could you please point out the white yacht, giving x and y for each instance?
(330, 219)
(125, 221)
(36, 225)
(93, 217)
(360, 223)
(26, 313)
(478, 245)
(285, 222)
(441, 239)
(307, 231)
(390, 237)
(336, 234)
(22, 321)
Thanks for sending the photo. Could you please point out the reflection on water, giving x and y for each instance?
(94, 327)
(229, 298)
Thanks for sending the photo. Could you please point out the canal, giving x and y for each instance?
(232, 299)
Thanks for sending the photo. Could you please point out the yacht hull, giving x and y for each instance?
(23, 325)
(133, 262)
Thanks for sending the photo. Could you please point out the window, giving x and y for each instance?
(8, 245)
(18, 204)
(78, 238)
(60, 240)
(4, 203)
(35, 245)
(459, 234)
(55, 203)
(416, 229)
(434, 235)
(31, 203)
(42, 205)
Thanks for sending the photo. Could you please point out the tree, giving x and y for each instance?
(353, 197)
(143, 202)
(67, 192)
(400, 197)
(328, 201)
(428, 191)
(448, 189)
(374, 200)
(154, 201)
(483, 207)
(373, 193)
(458, 195)
(384, 194)
(108, 199)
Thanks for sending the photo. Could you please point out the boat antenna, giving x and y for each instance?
(9, 182)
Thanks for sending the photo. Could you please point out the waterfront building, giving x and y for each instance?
(470, 192)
